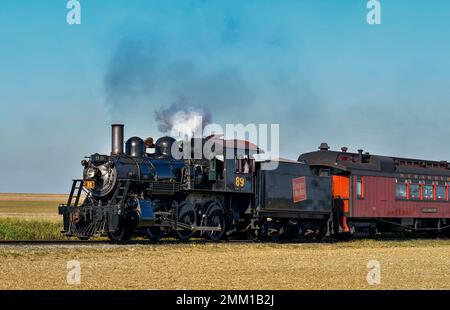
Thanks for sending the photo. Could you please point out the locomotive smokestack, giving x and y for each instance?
(117, 139)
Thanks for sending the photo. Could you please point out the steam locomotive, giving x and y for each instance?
(145, 191)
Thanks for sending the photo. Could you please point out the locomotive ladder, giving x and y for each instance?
(75, 192)
(121, 193)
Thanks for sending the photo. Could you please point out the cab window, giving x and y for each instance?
(244, 164)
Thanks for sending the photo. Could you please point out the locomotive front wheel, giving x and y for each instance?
(188, 216)
(215, 217)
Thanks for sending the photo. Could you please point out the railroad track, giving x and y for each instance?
(52, 242)
(107, 242)
(172, 242)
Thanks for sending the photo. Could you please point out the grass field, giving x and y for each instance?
(414, 264)
(30, 216)
(30, 229)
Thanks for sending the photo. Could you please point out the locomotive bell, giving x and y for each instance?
(149, 142)
(135, 147)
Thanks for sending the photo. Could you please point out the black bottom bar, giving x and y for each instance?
(224, 299)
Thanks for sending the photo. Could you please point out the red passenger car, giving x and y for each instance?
(373, 192)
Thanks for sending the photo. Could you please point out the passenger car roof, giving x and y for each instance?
(359, 163)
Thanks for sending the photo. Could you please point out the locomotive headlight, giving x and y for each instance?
(91, 172)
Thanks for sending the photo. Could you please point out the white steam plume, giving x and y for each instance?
(183, 120)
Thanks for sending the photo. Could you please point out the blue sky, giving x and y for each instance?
(315, 67)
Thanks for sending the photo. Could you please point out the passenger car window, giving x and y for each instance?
(440, 192)
(414, 191)
(400, 189)
(428, 191)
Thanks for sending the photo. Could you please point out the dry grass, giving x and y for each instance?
(33, 197)
(30, 205)
(413, 264)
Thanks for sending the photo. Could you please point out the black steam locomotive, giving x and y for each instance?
(145, 191)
